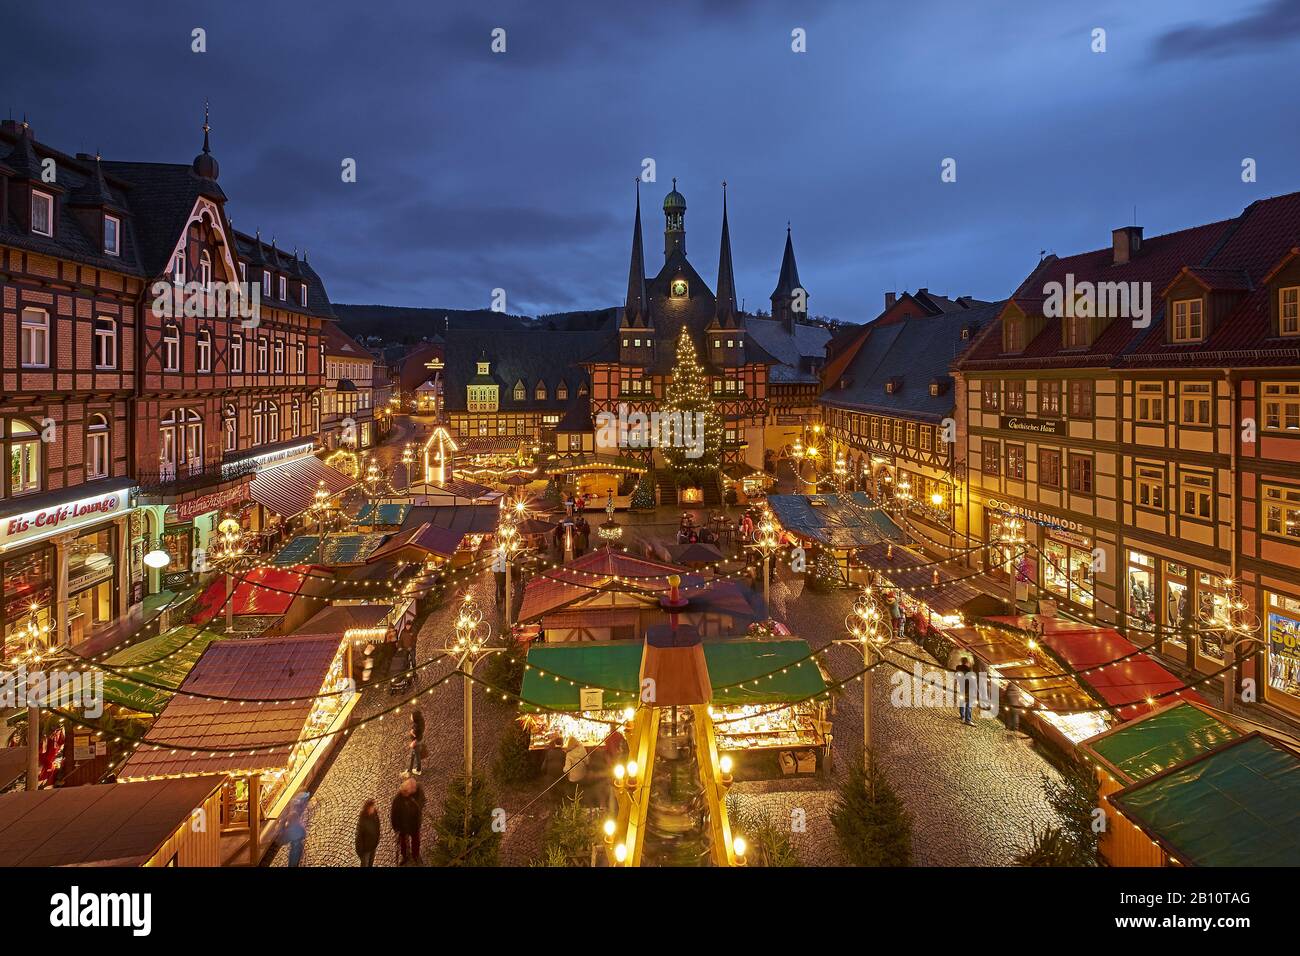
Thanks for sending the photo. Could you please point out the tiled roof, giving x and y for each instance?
(529, 357)
(912, 352)
(602, 569)
(797, 354)
(271, 669)
(1234, 256)
(338, 342)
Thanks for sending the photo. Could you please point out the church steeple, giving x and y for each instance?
(726, 298)
(789, 298)
(674, 222)
(637, 307)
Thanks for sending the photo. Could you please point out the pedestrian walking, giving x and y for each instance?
(965, 680)
(405, 817)
(415, 741)
(294, 827)
(367, 833)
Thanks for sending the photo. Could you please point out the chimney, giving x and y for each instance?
(1126, 242)
(890, 299)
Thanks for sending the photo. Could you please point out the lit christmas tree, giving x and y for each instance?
(690, 453)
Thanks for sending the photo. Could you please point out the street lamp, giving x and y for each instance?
(864, 624)
(609, 529)
(408, 459)
(469, 643)
(34, 638)
(320, 505)
(1237, 625)
(767, 541)
(230, 548)
(1013, 542)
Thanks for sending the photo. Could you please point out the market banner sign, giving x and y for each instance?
(189, 510)
(35, 525)
(1034, 426)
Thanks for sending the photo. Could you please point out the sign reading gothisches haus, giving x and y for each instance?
(34, 525)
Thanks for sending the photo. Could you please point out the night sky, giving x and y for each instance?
(479, 170)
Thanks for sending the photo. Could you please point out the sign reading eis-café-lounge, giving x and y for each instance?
(69, 516)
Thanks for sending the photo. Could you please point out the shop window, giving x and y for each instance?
(1016, 462)
(27, 597)
(1049, 468)
(1283, 633)
(24, 454)
(92, 565)
(97, 460)
(105, 343)
(1281, 406)
(1081, 403)
(1196, 492)
(1194, 403)
(1049, 399)
(1141, 591)
(1177, 601)
(1209, 639)
(1151, 487)
(1149, 403)
(1282, 511)
(991, 458)
(1081, 477)
(35, 339)
(1067, 570)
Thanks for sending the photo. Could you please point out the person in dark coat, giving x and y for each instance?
(553, 760)
(367, 833)
(965, 689)
(415, 740)
(407, 809)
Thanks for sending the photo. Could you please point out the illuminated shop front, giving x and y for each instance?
(1282, 647)
(64, 568)
(1067, 567)
(1178, 600)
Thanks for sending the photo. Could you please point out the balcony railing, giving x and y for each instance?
(178, 479)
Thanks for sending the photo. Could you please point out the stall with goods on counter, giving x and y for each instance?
(769, 699)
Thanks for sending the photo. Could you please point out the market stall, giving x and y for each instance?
(769, 699)
(1138, 750)
(266, 752)
(1237, 804)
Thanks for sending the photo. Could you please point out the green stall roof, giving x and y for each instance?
(165, 659)
(301, 550)
(558, 672)
(1238, 805)
(1150, 744)
(381, 515)
(348, 548)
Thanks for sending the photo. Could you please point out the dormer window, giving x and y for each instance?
(284, 288)
(1288, 312)
(892, 385)
(1189, 321)
(1076, 332)
(540, 393)
(561, 392)
(482, 368)
(520, 392)
(266, 284)
(1013, 336)
(243, 272)
(302, 295)
(935, 389)
(42, 213)
(112, 236)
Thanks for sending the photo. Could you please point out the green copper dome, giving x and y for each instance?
(674, 201)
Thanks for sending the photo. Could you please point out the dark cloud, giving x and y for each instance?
(1271, 25)
(479, 171)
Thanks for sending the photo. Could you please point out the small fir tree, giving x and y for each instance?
(643, 496)
(687, 395)
(1076, 798)
(873, 826)
(1050, 847)
(824, 575)
(466, 836)
(551, 498)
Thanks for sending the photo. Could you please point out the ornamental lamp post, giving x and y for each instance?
(1237, 625)
(230, 548)
(33, 635)
(320, 504)
(408, 459)
(1013, 539)
(864, 626)
(469, 644)
(767, 541)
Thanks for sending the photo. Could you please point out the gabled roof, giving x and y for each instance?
(795, 356)
(527, 356)
(602, 570)
(916, 350)
(338, 342)
(1234, 255)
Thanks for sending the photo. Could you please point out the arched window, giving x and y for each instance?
(273, 422)
(230, 428)
(315, 414)
(205, 271)
(171, 348)
(23, 451)
(97, 460)
(203, 351)
(540, 393)
(266, 423)
(297, 418)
